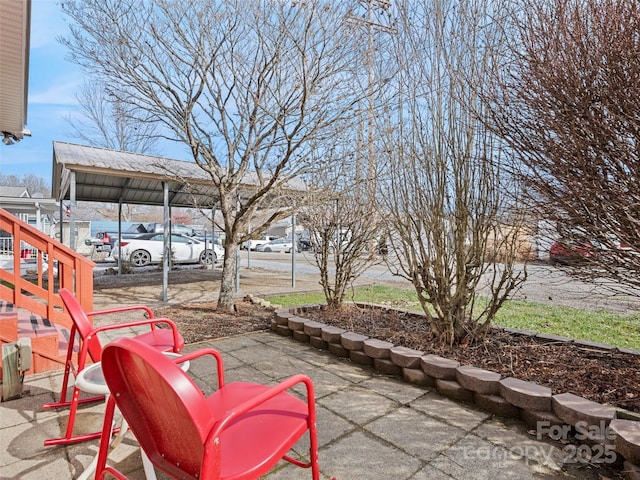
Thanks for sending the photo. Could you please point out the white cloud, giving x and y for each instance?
(46, 23)
(58, 92)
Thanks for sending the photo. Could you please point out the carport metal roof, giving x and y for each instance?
(111, 176)
(91, 174)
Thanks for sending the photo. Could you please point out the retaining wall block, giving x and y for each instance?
(535, 419)
(352, 341)
(319, 343)
(520, 331)
(284, 331)
(338, 350)
(300, 336)
(314, 329)
(332, 334)
(497, 405)
(453, 390)
(418, 377)
(387, 367)
(630, 351)
(627, 414)
(439, 367)
(534, 403)
(478, 380)
(282, 316)
(627, 439)
(406, 357)
(572, 409)
(301, 309)
(296, 323)
(359, 357)
(526, 395)
(377, 348)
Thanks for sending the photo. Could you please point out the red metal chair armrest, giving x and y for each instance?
(82, 354)
(201, 353)
(248, 405)
(127, 308)
(135, 323)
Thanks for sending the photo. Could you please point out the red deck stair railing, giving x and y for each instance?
(54, 266)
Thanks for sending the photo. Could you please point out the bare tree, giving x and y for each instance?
(569, 110)
(106, 122)
(342, 222)
(246, 85)
(31, 182)
(445, 186)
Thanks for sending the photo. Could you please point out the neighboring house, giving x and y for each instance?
(37, 211)
(34, 210)
(282, 229)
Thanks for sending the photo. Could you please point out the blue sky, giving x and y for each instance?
(53, 83)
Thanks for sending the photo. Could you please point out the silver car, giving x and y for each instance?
(279, 245)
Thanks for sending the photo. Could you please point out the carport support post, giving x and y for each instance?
(237, 254)
(72, 211)
(61, 219)
(248, 250)
(293, 250)
(165, 235)
(117, 244)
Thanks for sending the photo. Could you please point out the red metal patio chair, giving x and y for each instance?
(240, 431)
(162, 339)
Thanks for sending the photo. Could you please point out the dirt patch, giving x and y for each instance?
(200, 321)
(605, 377)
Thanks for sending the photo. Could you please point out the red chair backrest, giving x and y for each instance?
(82, 323)
(164, 408)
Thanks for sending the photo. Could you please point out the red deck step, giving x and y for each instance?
(48, 340)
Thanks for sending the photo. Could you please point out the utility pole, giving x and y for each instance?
(371, 21)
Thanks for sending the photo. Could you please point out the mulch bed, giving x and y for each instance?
(610, 378)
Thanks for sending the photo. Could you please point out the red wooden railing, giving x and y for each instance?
(56, 265)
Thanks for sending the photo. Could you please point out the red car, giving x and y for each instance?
(568, 252)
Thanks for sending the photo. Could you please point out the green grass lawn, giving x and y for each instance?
(595, 325)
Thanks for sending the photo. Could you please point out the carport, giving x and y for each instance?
(82, 173)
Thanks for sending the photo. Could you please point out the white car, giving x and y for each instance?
(279, 245)
(149, 248)
(255, 243)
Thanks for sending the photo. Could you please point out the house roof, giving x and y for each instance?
(112, 176)
(6, 191)
(15, 26)
(17, 200)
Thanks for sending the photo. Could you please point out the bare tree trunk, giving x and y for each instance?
(229, 266)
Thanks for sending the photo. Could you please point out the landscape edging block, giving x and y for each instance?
(439, 367)
(406, 357)
(478, 380)
(627, 439)
(377, 348)
(573, 409)
(352, 341)
(526, 395)
(534, 402)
